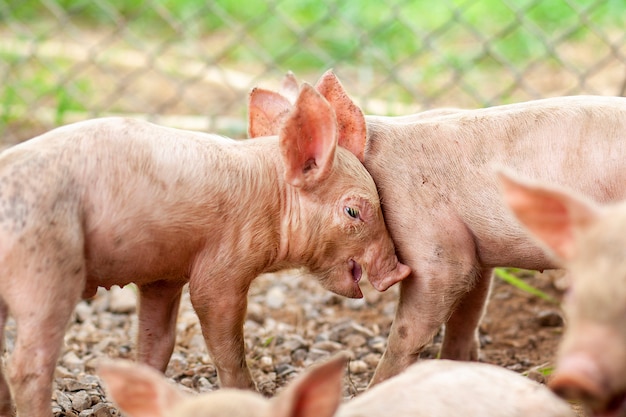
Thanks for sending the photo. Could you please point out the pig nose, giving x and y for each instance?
(403, 272)
(578, 378)
(396, 274)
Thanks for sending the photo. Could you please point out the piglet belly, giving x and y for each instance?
(139, 262)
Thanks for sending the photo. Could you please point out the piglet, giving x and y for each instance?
(441, 201)
(114, 201)
(440, 388)
(589, 240)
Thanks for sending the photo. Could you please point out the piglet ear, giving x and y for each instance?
(289, 87)
(316, 393)
(552, 215)
(308, 139)
(350, 120)
(267, 112)
(139, 390)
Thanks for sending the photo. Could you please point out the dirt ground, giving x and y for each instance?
(293, 323)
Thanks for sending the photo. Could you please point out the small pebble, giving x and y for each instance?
(354, 341)
(275, 297)
(255, 313)
(298, 356)
(102, 410)
(328, 346)
(122, 300)
(294, 343)
(536, 376)
(358, 367)
(377, 344)
(63, 400)
(71, 384)
(266, 364)
(317, 354)
(355, 303)
(81, 401)
(73, 363)
(204, 385)
(372, 359)
(83, 312)
(284, 369)
(266, 383)
(550, 318)
(178, 363)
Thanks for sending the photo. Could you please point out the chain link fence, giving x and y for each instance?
(191, 63)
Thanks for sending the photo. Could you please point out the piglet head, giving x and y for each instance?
(332, 223)
(589, 240)
(140, 391)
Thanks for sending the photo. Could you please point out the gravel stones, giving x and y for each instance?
(291, 323)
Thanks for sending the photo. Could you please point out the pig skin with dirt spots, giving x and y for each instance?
(440, 388)
(114, 201)
(442, 205)
(589, 240)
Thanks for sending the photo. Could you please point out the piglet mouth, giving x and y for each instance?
(356, 270)
(614, 407)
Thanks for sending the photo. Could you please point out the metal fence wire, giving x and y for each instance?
(191, 63)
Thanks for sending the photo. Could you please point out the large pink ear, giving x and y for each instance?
(553, 216)
(139, 390)
(267, 112)
(308, 139)
(316, 393)
(350, 119)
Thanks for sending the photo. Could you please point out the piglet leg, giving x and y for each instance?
(426, 302)
(444, 270)
(222, 310)
(41, 320)
(460, 340)
(158, 311)
(419, 316)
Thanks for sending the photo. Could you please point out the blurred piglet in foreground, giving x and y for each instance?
(442, 204)
(433, 388)
(114, 201)
(590, 241)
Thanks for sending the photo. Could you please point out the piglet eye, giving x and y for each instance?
(352, 212)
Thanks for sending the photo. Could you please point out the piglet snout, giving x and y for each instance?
(384, 276)
(578, 377)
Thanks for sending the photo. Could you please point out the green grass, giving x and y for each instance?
(390, 31)
(268, 341)
(30, 83)
(509, 275)
(545, 370)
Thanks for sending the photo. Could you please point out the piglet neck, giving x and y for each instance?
(291, 234)
(289, 217)
(284, 210)
(256, 202)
